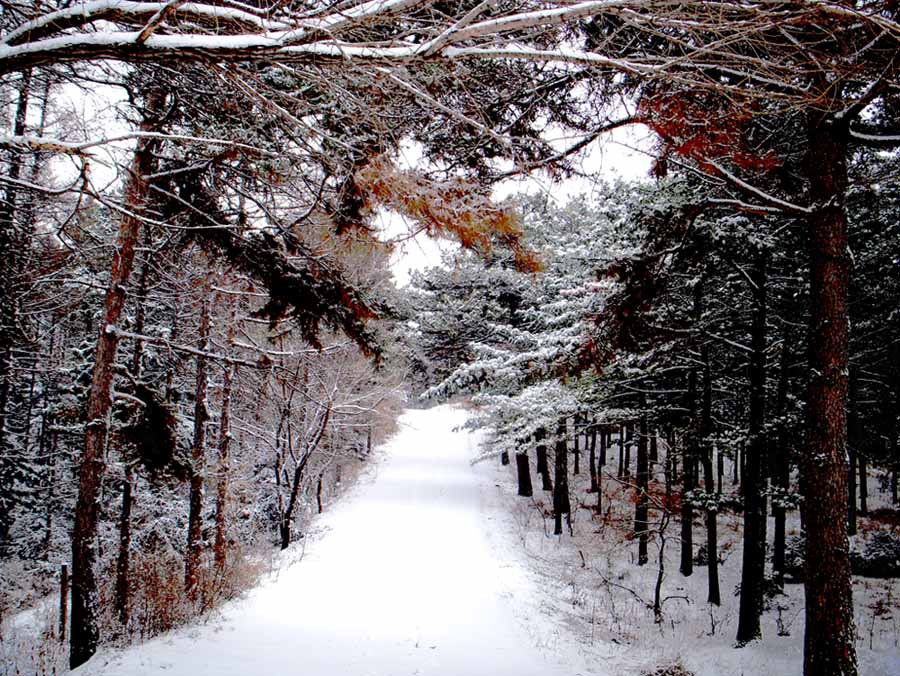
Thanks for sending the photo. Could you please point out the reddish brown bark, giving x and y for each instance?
(829, 644)
(85, 632)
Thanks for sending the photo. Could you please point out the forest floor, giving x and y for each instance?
(413, 572)
(597, 603)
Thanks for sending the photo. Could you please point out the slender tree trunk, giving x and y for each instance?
(706, 450)
(576, 452)
(642, 505)
(123, 562)
(782, 461)
(852, 440)
(621, 471)
(543, 466)
(669, 470)
(591, 442)
(688, 484)
(753, 568)
(561, 504)
(220, 548)
(720, 470)
(297, 478)
(863, 484)
(64, 585)
(85, 633)
(830, 637)
(50, 499)
(629, 440)
(198, 462)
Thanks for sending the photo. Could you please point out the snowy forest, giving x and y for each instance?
(627, 424)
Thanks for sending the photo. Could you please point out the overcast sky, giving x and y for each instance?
(624, 153)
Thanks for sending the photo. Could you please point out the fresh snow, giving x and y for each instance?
(404, 576)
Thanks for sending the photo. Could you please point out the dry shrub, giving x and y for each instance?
(30, 645)
(674, 669)
(159, 602)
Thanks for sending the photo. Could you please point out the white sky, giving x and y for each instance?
(624, 153)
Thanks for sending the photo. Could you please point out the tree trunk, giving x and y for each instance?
(543, 466)
(754, 561)
(561, 504)
(629, 441)
(592, 459)
(781, 461)
(863, 484)
(706, 450)
(64, 581)
(830, 637)
(85, 633)
(852, 440)
(523, 472)
(720, 470)
(220, 548)
(621, 471)
(641, 507)
(123, 562)
(198, 462)
(11, 254)
(576, 452)
(687, 473)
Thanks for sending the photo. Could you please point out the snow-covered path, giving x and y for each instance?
(404, 582)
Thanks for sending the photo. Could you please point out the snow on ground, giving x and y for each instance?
(594, 598)
(400, 578)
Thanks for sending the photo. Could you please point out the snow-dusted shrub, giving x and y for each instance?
(795, 557)
(878, 557)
